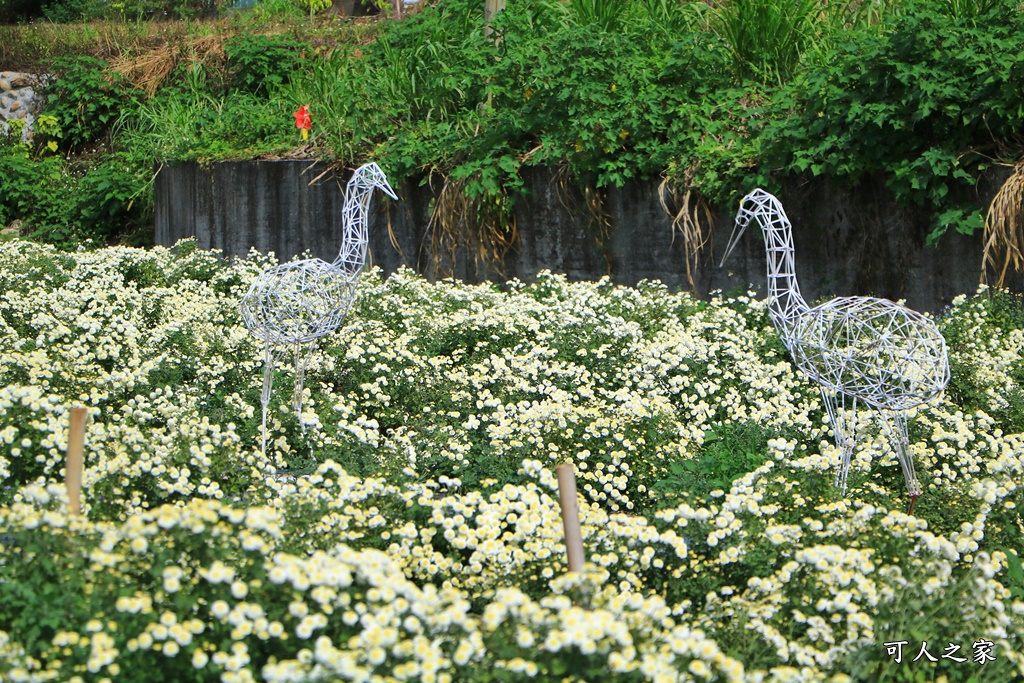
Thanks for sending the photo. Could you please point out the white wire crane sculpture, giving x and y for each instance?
(293, 304)
(858, 349)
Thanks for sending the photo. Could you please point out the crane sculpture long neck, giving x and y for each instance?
(785, 303)
(352, 256)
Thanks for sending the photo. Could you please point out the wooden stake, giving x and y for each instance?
(491, 9)
(73, 467)
(570, 515)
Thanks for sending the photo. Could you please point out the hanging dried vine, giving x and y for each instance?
(484, 226)
(691, 219)
(1004, 228)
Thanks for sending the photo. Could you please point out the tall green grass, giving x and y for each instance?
(770, 39)
(767, 38)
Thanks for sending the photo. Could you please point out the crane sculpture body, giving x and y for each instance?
(858, 349)
(293, 304)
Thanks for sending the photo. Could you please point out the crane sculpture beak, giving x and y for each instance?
(375, 177)
(386, 189)
(742, 221)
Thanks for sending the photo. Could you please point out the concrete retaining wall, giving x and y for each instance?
(847, 242)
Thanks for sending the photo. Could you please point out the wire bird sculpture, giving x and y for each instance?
(858, 349)
(294, 304)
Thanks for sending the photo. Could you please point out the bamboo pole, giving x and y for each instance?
(73, 467)
(491, 9)
(570, 515)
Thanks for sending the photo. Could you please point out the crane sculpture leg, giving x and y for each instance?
(270, 358)
(844, 426)
(894, 424)
(268, 386)
(301, 362)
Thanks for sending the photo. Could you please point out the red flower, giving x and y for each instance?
(302, 119)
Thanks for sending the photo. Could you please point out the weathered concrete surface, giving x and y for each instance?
(847, 241)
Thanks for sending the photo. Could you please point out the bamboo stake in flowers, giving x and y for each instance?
(73, 467)
(570, 515)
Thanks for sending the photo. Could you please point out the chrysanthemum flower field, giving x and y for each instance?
(409, 528)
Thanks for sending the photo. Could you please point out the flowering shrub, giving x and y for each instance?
(409, 528)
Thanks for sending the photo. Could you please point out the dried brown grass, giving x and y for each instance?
(148, 70)
(565, 188)
(691, 220)
(1004, 229)
(29, 47)
(600, 221)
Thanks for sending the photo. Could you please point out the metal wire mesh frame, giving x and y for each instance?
(858, 349)
(293, 304)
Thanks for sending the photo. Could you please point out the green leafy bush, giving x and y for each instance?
(35, 190)
(259, 64)
(66, 203)
(925, 105)
(13, 10)
(67, 11)
(112, 199)
(165, 9)
(605, 104)
(87, 98)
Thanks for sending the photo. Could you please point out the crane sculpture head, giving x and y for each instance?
(786, 305)
(754, 204)
(372, 174)
(358, 192)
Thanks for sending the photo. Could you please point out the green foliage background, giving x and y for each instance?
(924, 95)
